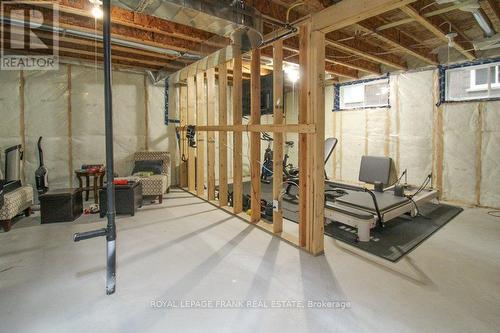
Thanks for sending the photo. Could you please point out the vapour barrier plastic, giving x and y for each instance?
(87, 109)
(490, 156)
(158, 138)
(129, 114)
(416, 107)
(88, 118)
(353, 143)
(460, 123)
(10, 129)
(46, 115)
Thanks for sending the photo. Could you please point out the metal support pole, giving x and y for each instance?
(108, 120)
(110, 231)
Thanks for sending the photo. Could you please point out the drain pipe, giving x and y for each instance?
(110, 231)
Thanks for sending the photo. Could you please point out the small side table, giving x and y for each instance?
(98, 181)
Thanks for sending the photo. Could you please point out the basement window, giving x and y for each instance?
(471, 81)
(372, 93)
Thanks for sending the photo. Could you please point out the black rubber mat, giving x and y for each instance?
(399, 237)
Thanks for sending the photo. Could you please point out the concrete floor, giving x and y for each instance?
(186, 250)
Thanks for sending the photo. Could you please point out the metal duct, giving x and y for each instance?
(229, 18)
(473, 7)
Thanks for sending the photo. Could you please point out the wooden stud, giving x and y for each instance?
(146, 113)
(317, 114)
(223, 135)
(183, 166)
(70, 129)
(237, 136)
(22, 126)
(479, 149)
(211, 97)
(255, 137)
(191, 120)
(201, 116)
(304, 156)
(278, 137)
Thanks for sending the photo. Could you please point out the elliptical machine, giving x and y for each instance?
(41, 174)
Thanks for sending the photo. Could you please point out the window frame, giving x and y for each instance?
(372, 81)
(479, 64)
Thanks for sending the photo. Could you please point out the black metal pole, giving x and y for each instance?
(110, 231)
(108, 120)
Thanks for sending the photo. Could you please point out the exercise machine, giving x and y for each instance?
(267, 164)
(364, 208)
(292, 187)
(41, 174)
(267, 171)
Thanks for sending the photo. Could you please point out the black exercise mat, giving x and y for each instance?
(401, 235)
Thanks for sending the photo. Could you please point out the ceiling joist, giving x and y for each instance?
(438, 26)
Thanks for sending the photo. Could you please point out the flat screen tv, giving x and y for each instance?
(266, 95)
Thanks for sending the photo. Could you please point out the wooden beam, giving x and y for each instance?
(183, 106)
(278, 119)
(495, 6)
(237, 136)
(201, 120)
(349, 12)
(345, 59)
(223, 135)
(211, 96)
(398, 39)
(255, 157)
(437, 26)
(191, 120)
(285, 128)
(355, 46)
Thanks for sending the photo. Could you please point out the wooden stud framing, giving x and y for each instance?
(223, 135)
(317, 141)
(191, 120)
(304, 156)
(211, 97)
(146, 113)
(70, 128)
(278, 137)
(237, 136)
(435, 25)
(349, 12)
(201, 116)
(255, 137)
(183, 166)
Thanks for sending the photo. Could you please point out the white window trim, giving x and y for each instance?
(343, 106)
(483, 87)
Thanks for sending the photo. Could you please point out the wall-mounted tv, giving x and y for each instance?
(266, 95)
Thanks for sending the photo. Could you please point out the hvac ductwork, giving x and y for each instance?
(230, 18)
(473, 7)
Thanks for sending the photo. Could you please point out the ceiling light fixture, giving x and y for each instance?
(96, 9)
